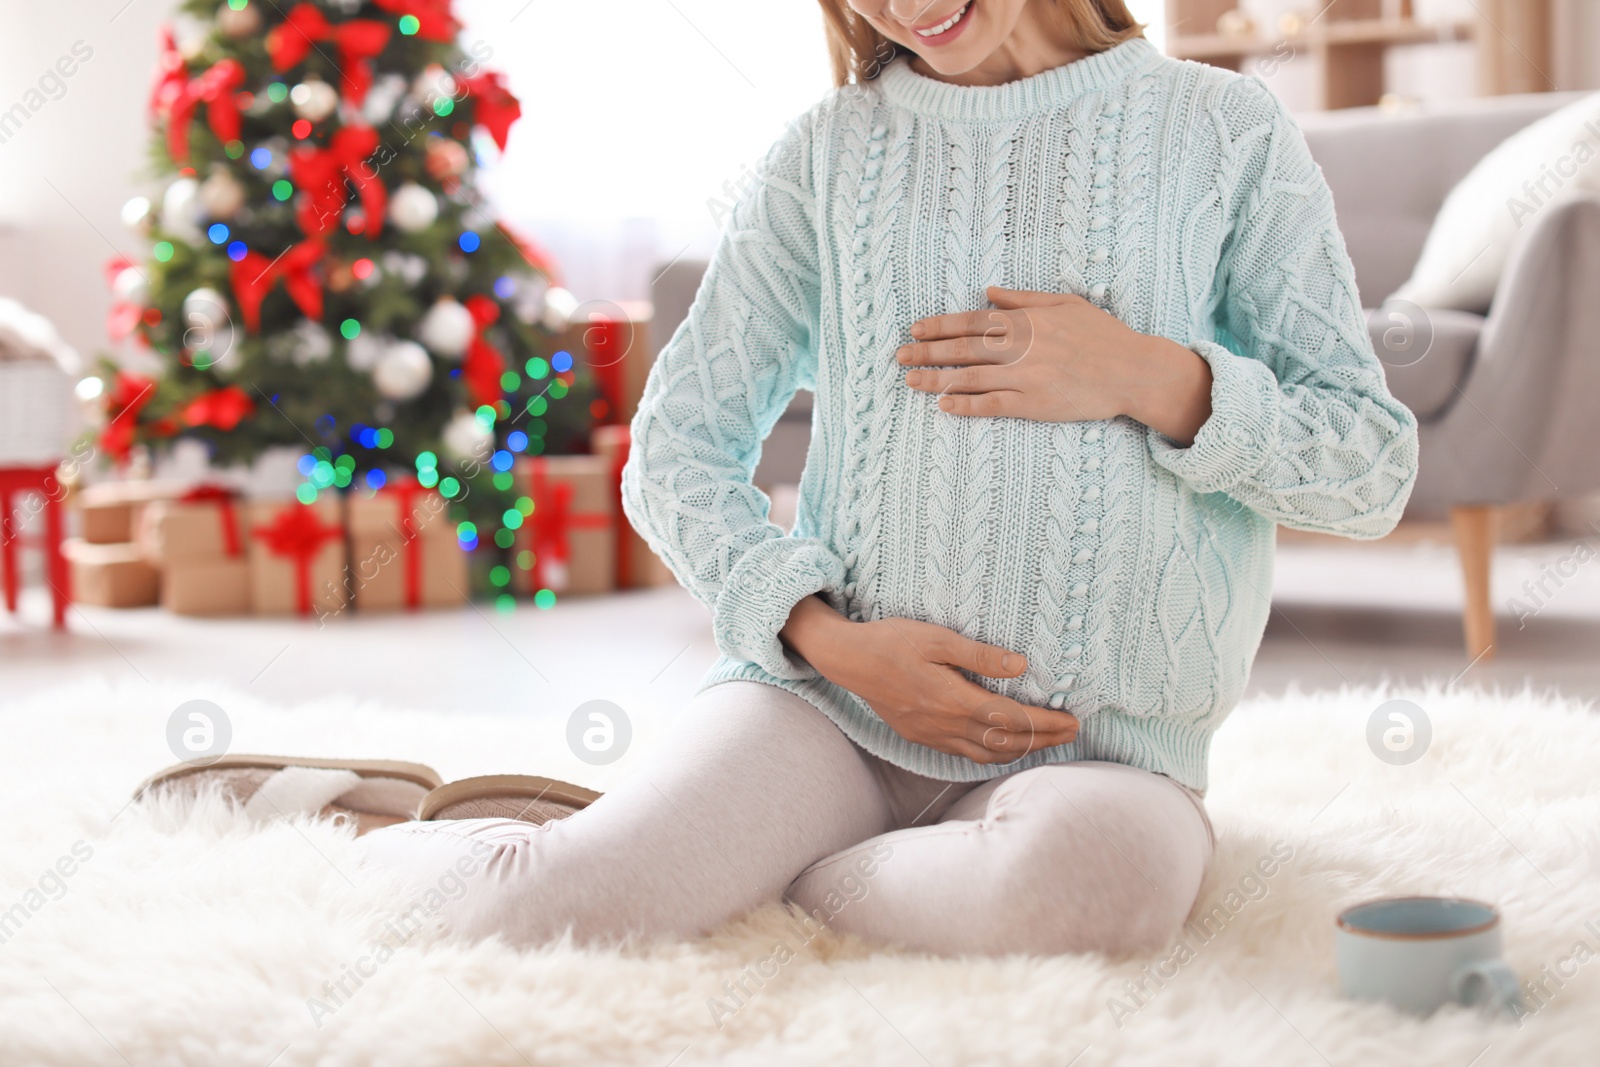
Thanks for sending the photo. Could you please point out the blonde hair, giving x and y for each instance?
(859, 52)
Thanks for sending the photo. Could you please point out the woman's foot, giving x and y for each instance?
(369, 793)
(524, 797)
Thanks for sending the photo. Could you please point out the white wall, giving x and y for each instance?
(66, 172)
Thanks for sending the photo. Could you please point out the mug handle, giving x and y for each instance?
(1486, 984)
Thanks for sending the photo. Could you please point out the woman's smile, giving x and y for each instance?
(941, 33)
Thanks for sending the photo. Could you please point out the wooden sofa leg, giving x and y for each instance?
(1475, 537)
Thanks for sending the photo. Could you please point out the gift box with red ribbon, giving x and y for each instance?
(199, 543)
(297, 557)
(637, 566)
(616, 347)
(403, 550)
(571, 533)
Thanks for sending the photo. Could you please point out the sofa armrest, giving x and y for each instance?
(1525, 423)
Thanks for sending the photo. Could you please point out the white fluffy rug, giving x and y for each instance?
(202, 941)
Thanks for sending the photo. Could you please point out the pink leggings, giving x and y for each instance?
(758, 797)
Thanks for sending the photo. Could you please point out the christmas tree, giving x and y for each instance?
(323, 271)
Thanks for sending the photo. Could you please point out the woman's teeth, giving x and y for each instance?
(947, 23)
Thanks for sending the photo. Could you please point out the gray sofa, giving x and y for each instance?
(1509, 403)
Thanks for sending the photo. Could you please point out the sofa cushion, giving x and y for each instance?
(1471, 240)
(1425, 354)
(1390, 172)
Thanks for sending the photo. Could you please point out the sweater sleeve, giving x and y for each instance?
(747, 344)
(1303, 429)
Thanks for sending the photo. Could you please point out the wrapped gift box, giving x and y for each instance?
(617, 350)
(110, 511)
(403, 550)
(202, 524)
(572, 530)
(637, 566)
(207, 586)
(110, 576)
(297, 557)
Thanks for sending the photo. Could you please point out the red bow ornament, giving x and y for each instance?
(222, 408)
(357, 42)
(298, 533)
(434, 21)
(322, 172)
(216, 89)
(254, 276)
(172, 74)
(129, 393)
(484, 364)
(124, 315)
(494, 108)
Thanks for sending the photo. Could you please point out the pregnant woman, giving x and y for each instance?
(1081, 329)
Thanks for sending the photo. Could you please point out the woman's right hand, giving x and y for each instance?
(909, 672)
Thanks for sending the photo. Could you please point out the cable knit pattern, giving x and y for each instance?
(1133, 573)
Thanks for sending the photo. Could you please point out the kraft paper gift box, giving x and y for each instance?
(109, 511)
(572, 530)
(198, 541)
(614, 340)
(297, 557)
(203, 523)
(110, 576)
(637, 566)
(403, 550)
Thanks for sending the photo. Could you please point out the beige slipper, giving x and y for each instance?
(525, 797)
(268, 787)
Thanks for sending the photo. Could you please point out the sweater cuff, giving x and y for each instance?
(1242, 432)
(760, 592)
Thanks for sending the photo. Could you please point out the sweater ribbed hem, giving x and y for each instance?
(1179, 749)
(1048, 90)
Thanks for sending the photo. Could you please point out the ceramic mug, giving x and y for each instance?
(1418, 953)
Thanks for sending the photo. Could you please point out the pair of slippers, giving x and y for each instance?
(277, 787)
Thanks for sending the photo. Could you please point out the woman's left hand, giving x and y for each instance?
(1057, 358)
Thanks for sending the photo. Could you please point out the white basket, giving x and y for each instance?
(35, 412)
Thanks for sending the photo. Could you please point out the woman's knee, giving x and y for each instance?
(1100, 869)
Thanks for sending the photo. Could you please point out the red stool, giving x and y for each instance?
(43, 481)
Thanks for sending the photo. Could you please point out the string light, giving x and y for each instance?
(162, 251)
(469, 242)
(282, 189)
(409, 25)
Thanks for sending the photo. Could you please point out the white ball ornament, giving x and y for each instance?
(131, 285)
(466, 437)
(412, 208)
(311, 343)
(180, 209)
(238, 23)
(136, 214)
(314, 100)
(221, 194)
(381, 99)
(447, 328)
(403, 371)
(559, 306)
(205, 314)
(364, 350)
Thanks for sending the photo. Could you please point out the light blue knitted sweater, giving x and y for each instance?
(1134, 574)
